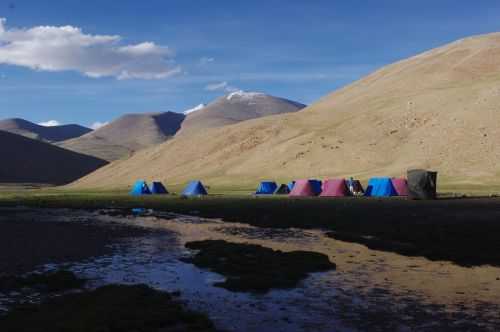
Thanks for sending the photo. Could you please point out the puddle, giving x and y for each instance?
(369, 290)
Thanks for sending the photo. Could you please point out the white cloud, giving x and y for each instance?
(206, 60)
(50, 123)
(96, 125)
(222, 86)
(51, 48)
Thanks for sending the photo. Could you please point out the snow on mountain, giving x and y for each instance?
(194, 109)
(244, 95)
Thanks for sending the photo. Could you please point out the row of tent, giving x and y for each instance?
(379, 187)
(194, 188)
(420, 184)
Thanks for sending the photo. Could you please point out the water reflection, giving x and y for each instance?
(370, 290)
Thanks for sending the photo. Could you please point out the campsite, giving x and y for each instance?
(295, 166)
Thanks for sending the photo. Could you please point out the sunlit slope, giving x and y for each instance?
(127, 134)
(234, 108)
(439, 110)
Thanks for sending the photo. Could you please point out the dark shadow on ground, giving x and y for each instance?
(110, 308)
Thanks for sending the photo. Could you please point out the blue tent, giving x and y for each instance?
(380, 187)
(316, 185)
(140, 188)
(290, 185)
(157, 188)
(195, 188)
(266, 188)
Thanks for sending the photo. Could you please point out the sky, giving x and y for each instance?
(90, 61)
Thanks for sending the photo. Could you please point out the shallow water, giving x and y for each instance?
(369, 290)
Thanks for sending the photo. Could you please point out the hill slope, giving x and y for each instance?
(436, 110)
(27, 160)
(49, 134)
(126, 135)
(235, 107)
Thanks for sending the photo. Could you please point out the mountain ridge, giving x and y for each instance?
(50, 134)
(34, 161)
(438, 109)
(126, 135)
(236, 107)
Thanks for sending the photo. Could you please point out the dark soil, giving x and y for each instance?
(114, 308)
(464, 231)
(253, 268)
(24, 244)
(375, 243)
(45, 282)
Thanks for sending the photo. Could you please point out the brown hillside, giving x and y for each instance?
(437, 110)
(31, 161)
(127, 134)
(236, 107)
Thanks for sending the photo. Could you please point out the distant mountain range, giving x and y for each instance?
(49, 134)
(27, 160)
(131, 133)
(127, 134)
(438, 110)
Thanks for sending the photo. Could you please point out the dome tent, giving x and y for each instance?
(304, 188)
(401, 186)
(282, 190)
(157, 188)
(266, 188)
(195, 188)
(140, 188)
(380, 187)
(335, 188)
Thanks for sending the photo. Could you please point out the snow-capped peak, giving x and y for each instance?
(194, 109)
(244, 95)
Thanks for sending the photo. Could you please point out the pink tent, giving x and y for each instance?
(334, 188)
(401, 186)
(302, 188)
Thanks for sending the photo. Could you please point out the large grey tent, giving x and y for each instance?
(422, 184)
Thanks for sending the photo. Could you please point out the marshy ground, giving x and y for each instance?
(389, 274)
(254, 268)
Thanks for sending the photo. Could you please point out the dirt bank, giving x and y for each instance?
(26, 242)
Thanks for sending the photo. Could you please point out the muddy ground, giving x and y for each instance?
(57, 301)
(370, 290)
(123, 308)
(462, 230)
(27, 243)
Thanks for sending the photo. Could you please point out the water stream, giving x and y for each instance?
(369, 290)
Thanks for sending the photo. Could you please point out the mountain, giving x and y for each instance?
(49, 134)
(438, 110)
(233, 108)
(28, 160)
(126, 135)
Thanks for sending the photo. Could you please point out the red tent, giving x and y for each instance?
(334, 188)
(302, 188)
(401, 186)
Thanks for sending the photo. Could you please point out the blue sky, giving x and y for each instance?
(177, 54)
